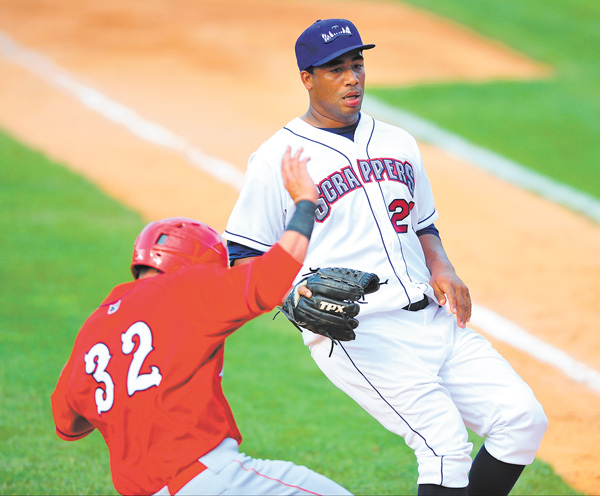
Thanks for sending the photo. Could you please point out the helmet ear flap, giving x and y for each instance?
(135, 271)
(175, 242)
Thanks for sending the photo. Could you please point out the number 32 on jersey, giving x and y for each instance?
(97, 359)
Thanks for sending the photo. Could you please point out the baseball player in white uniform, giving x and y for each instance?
(414, 366)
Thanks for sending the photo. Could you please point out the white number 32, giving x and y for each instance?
(96, 362)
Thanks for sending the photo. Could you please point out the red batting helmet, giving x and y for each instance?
(175, 242)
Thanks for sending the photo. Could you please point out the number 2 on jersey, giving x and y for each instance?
(400, 209)
(97, 359)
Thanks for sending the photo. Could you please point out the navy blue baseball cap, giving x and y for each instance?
(326, 40)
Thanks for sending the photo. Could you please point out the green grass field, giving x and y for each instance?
(64, 245)
(550, 125)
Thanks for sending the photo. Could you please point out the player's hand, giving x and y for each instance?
(296, 179)
(448, 288)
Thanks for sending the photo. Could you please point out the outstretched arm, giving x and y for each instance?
(272, 273)
(447, 286)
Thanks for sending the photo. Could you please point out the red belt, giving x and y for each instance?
(183, 477)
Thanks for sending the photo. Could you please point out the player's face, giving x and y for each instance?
(336, 90)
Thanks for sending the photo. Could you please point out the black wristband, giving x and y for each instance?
(303, 219)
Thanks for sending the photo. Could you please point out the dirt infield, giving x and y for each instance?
(221, 75)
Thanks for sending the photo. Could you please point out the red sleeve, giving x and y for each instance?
(269, 279)
(70, 426)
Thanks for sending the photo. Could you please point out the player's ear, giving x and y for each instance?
(307, 80)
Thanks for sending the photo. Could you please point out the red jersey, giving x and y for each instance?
(146, 366)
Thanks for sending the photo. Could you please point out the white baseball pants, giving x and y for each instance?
(230, 472)
(425, 379)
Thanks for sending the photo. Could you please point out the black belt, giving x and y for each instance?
(419, 305)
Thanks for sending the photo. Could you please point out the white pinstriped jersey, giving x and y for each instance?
(374, 196)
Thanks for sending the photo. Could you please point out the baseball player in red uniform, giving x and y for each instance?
(146, 366)
(418, 369)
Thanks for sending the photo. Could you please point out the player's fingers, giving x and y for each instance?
(462, 306)
(298, 153)
(449, 291)
(289, 166)
(295, 165)
(304, 291)
(288, 154)
(452, 301)
(439, 294)
(296, 179)
(463, 314)
(295, 162)
(301, 164)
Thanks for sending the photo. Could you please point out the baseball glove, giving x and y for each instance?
(332, 309)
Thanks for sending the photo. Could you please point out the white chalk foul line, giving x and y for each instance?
(149, 131)
(504, 330)
(487, 160)
(154, 133)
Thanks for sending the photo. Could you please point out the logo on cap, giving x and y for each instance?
(336, 32)
(324, 40)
